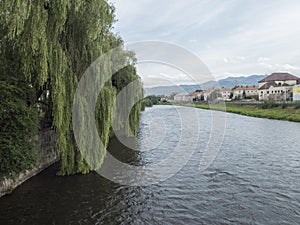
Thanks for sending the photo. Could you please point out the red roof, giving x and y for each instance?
(247, 88)
(225, 89)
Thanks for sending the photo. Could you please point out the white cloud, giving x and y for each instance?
(281, 67)
(231, 37)
(263, 59)
(234, 59)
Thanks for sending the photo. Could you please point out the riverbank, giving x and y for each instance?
(290, 113)
(46, 152)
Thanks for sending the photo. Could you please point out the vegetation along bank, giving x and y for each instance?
(45, 47)
(268, 109)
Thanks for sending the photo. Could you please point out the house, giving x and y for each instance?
(296, 93)
(225, 93)
(183, 97)
(197, 96)
(277, 86)
(241, 92)
(207, 94)
(172, 95)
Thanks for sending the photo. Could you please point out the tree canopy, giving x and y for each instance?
(46, 46)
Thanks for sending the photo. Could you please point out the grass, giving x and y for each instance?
(291, 113)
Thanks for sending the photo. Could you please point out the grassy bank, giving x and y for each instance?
(291, 113)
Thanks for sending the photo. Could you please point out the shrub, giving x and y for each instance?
(283, 105)
(297, 106)
(269, 104)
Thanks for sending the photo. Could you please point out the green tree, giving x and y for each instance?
(53, 43)
(244, 94)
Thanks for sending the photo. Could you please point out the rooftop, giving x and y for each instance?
(280, 77)
(225, 89)
(246, 88)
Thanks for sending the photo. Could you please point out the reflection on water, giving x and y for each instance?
(254, 180)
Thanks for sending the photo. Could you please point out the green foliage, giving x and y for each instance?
(283, 105)
(146, 102)
(244, 94)
(130, 97)
(297, 105)
(268, 104)
(278, 113)
(154, 99)
(50, 48)
(18, 124)
(18, 115)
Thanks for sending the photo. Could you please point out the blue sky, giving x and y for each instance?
(232, 37)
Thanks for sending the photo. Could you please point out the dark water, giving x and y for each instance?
(255, 179)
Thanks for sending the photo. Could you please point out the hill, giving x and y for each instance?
(228, 82)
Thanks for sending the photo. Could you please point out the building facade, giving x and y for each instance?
(181, 97)
(245, 91)
(277, 86)
(225, 93)
(296, 93)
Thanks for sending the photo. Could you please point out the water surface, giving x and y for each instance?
(255, 179)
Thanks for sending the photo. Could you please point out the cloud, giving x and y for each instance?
(154, 74)
(234, 59)
(230, 37)
(281, 67)
(263, 59)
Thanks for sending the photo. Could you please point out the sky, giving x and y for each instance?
(231, 37)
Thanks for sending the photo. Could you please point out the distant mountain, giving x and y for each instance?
(228, 82)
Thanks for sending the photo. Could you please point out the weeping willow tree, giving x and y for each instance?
(53, 43)
(129, 100)
(18, 117)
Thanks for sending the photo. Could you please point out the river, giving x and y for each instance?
(254, 179)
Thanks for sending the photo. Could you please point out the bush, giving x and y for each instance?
(146, 102)
(269, 104)
(297, 106)
(283, 105)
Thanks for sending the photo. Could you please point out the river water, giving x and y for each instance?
(254, 179)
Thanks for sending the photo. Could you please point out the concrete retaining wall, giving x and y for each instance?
(47, 154)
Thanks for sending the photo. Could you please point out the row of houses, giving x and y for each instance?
(237, 93)
(277, 86)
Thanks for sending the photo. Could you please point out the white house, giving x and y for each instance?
(183, 97)
(277, 86)
(247, 91)
(225, 93)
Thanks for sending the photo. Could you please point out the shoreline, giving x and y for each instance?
(289, 113)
